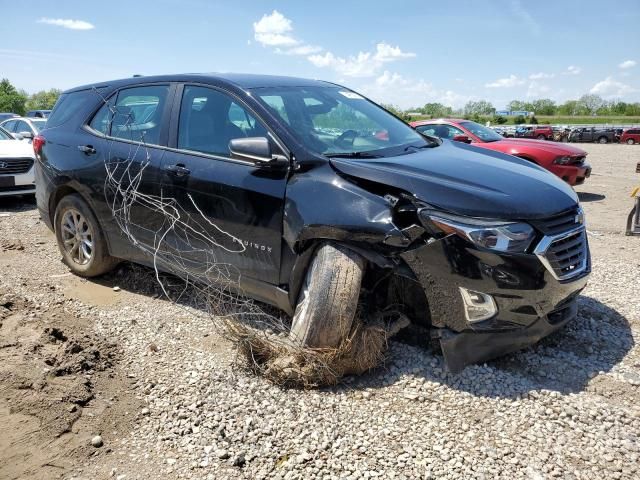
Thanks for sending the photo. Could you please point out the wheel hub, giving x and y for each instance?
(77, 237)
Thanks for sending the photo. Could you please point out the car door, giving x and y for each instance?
(229, 212)
(131, 130)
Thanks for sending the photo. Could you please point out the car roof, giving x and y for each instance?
(241, 80)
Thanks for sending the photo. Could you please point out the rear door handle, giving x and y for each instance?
(178, 170)
(87, 149)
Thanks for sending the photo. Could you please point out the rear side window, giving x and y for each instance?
(138, 113)
(70, 104)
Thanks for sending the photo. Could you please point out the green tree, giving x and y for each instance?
(570, 107)
(480, 107)
(533, 120)
(543, 106)
(499, 119)
(396, 111)
(515, 105)
(436, 110)
(519, 120)
(43, 100)
(10, 99)
(590, 103)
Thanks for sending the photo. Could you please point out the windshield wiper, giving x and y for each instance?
(352, 155)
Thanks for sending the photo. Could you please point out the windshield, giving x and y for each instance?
(483, 133)
(4, 135)
(38, 124)
(337, 122)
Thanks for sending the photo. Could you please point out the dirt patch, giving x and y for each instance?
(57, 389)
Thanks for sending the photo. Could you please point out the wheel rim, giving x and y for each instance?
(630, 141)
(77, 237)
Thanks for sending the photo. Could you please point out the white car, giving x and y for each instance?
(16, 166)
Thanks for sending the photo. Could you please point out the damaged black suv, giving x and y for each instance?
(307, 196)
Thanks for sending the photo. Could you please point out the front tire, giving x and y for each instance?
(541, 137)
(603, 140)
(80, 238)
(328, 298)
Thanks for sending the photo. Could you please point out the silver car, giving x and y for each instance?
(26, 128)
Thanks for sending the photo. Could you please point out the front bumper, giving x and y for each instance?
(18, 184)
(531, 302)
(572, 174)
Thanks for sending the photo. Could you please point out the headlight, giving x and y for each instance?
(491, 234)
(562, 160)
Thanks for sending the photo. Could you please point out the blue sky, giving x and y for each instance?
(402, 52)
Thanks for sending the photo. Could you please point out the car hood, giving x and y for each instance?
(13, 148)
(467, 180)
(550, 147)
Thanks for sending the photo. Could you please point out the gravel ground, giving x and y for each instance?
(178, 405)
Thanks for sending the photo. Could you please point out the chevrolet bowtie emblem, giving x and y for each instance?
(4, 164)
(579, 219)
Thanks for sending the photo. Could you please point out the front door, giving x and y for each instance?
(228, 214)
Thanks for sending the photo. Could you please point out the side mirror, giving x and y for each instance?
(17, 136)
(461, 138)
(256, 150)
(26, 134)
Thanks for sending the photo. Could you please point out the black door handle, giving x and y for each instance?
(178, 170)
(87, 149)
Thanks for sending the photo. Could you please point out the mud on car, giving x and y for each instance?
(335, 202)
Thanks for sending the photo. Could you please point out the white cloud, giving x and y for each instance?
(406, 93)
(273, 30)
(541, 76)
(300, 50)
(611, 88)
(537, 90)
(508, 82)
(573, 70)
(364, 64)
(627, 64)
(68, 23)
(525, 17)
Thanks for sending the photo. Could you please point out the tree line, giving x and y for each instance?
(17, 101)
(587, 105)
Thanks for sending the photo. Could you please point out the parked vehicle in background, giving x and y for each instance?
(630, 136)
(505, 131)
(16, 166)
(486, 250)
(38, 113)
(542, 132)
(5, 115)
(566, 161)
(592, 134)
(24, 127)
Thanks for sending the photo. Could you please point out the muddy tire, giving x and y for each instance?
(80, 238)
(328, 298)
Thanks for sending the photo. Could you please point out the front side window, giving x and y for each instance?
(210, 119)
(336, 122)
(23, 126)
(137, 114)
(440, 130)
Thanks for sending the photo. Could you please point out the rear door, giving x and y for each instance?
(229, 213)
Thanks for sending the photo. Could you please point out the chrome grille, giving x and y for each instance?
(564, 255)
(15, 166)
(559, 223)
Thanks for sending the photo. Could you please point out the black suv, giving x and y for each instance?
(316, 200)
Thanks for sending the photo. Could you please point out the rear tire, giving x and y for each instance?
(541, 137)
(328, 298)
(80, 238)
(630, 141)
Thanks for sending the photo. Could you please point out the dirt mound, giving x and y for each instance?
(50, 363)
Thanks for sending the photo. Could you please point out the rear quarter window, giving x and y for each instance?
(70, 104)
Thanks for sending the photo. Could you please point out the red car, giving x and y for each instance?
(630, 136)
(541, 133)
(566, 161)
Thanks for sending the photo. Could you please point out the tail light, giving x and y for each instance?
(38, 143)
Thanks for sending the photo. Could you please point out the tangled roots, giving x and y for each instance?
(289, 365)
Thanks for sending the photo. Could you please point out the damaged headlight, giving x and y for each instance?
(513, 237)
